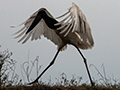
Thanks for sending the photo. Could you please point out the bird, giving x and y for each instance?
(72, 29)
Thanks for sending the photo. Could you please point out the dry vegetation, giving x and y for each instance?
(61, 87)
(9, 80)
(47, 87)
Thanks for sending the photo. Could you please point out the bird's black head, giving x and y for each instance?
(42, 13)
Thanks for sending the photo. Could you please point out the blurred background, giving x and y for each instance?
(103, 17)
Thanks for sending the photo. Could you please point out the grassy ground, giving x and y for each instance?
(54, 87)
(7, 68)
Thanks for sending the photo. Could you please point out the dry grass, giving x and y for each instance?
(9, 79)
(47, 87)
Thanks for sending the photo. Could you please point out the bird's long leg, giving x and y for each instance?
(85, 61)
(51, 63)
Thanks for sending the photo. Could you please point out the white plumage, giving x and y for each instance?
(75, 23)
(72, 29)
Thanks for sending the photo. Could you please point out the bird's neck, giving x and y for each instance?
(50, 22)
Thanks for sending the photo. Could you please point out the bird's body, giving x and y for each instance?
(73, 29)
(43, 23)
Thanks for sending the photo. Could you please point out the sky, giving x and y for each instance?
(103, 17)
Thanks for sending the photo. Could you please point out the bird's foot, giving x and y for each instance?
(34, 82)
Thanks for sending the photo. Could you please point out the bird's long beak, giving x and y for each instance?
(35, 22)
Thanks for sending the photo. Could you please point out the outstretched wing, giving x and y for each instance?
(75, 21)
(40, 29)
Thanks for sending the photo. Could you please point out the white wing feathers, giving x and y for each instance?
(75, 17)
(40, 29)
(75, 21)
